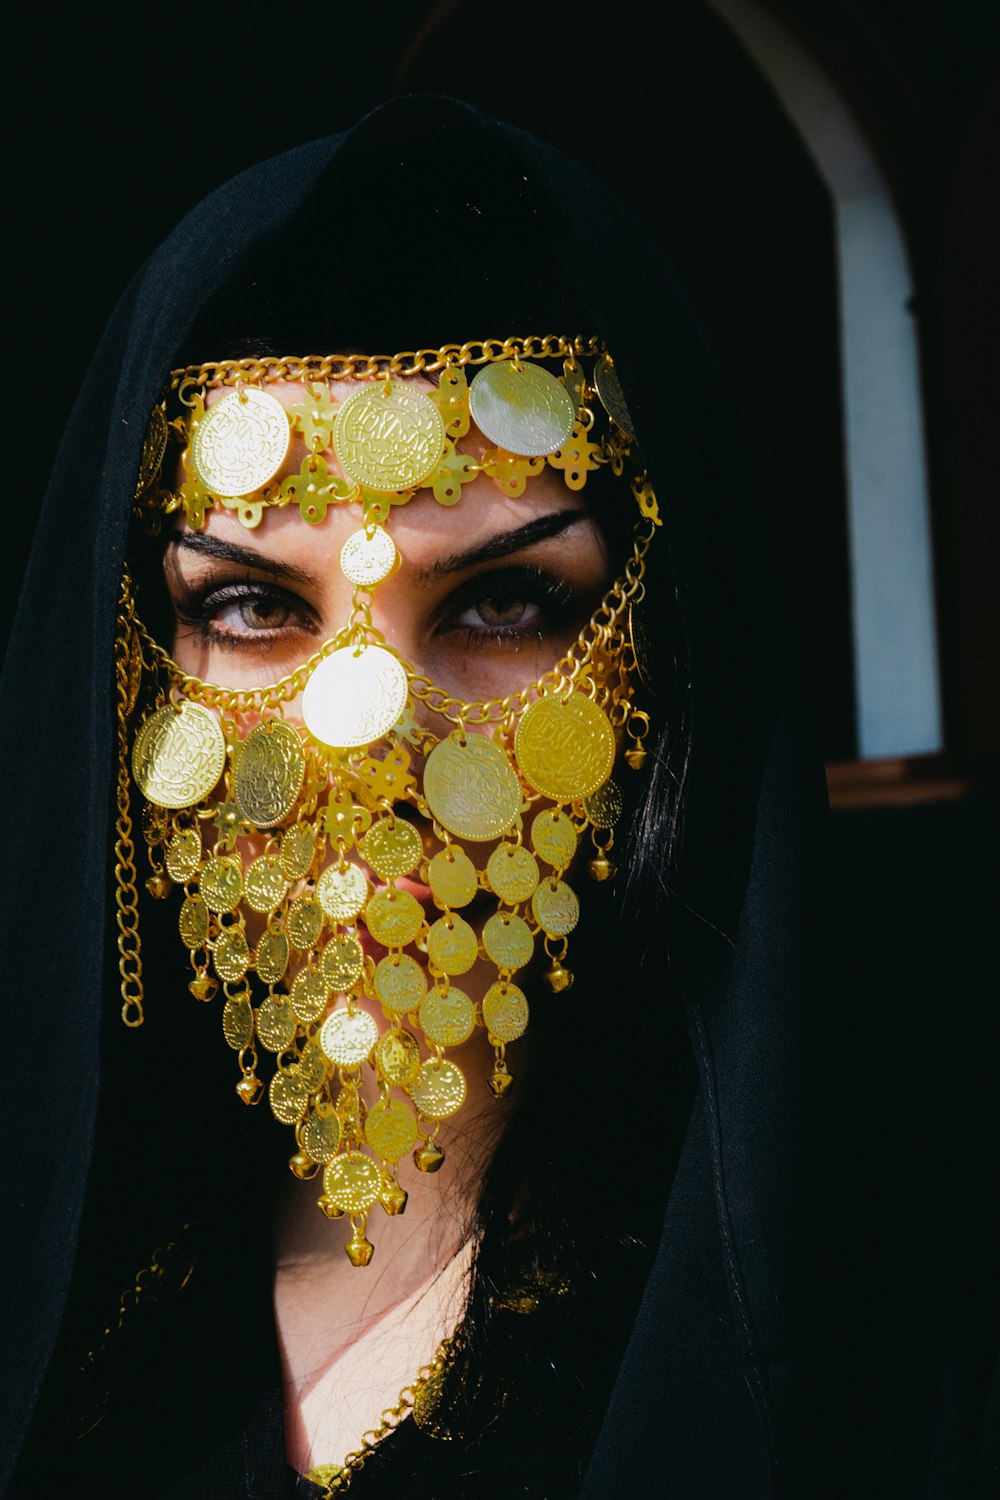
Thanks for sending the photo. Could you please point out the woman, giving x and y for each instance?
(612, 1279)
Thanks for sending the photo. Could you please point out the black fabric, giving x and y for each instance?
(740, 1371)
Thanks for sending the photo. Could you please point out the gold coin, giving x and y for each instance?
(321, 1135)
(298, 846)
(276, 1023)
(289, 1096)
(448, 1019)
(527, 410)
(342, 893)
(453, 878)
(553, 837)
(309, 994)
(348, 1108)
(271, 956)
(343, 962)
(505, 1012)
(269, 773)
(391, 1129)
(231, 955)
(388, 436)
(565, 750)
(192, 922)
(508, 941)
(183, 855)
(452, 945)
(368, 556)
(305, 921)
(154, 445)
(397, 1057)
(178, 755)
(353, 1182)
(400, 983)
(471, 788)
(392, 849)
(265, 884)
(348, 1037)
(354, 696)
(240, 443)
(313, 1066)
(394, 918)
(221, 882)
(604, 807)
(439, 1089)
(237, 1022)
(611, 394)
(512, 872)
(555, 907)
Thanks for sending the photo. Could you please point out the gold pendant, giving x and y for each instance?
(449, 1020)
(391, 1129)
(368, 556)
(288, 1096)
(237, 1022)
(192, 922)
(604, 807)
(353, 1183)
(471, 787)
(221, 883)
(397, 1058)
(265, 885)
(232, 954)
(388, 436)
(565, 749)
(342, 893)
(512, 873)
(354, 696)
(452, 946)
(298, 848)
(154, 446)
(309, 995)
(343, 962)
(270, 770)
(305, 922)
(271, 957)
(439, 1089)
(321, 1134)
(240, 443)
(178, 756)
(553, 837)
(313, 1066)
(525, 410)
(452, 877)
(508, 941)
(394, 918)
(555, 908)
(400, 983)
(347, 1037)
(183, 855)
(392, 849)
(276, 1023)
(505, 1011)
(611, 394)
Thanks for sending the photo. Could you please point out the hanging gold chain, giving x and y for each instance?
(127, 667)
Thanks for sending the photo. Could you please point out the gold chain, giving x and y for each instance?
(126, 899)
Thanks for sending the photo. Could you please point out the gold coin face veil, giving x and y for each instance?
(280, 818)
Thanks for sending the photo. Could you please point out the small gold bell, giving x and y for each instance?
(636, 757)
(359, 1250)
(302, 1166)
(601, 868)
(500, 1082)
(330, 1208)
(428, 1157)
(393, 1198)
(557, 978)
(158, 887)
(203, 987)
(250, 1088)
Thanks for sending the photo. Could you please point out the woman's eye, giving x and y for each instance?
(245, 614)
(254, 614)
(501, 612)
(511, 605)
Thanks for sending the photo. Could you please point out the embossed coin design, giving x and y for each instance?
(388, 436)
(604, 807)
(154, 445)
(265, 884)
(391, 1128)
(354, 697)
(565, 749)
(400, 983)
(183, 855)
(553, 837)
(348, 1038)
(271, 956)
(192, 921)
(508, 941)
(343, 962)
(321, 1135)
(269, 773)
(232, 954)
(368, 556)
(448, 1019)
(289, 1097)
(313, 1066)
(240, 443)
(611, 394)
(527, 410)
(309, 994)
(397, 1057)
(555, 908)
(298, 846)
(392, 848)
(439, 1089)
(352, 1182)
(452, 945)
(237, 1022)
(276, 1023)
(505, 1012)
(305, 921)
(342, 893)
(221, 883)
(471, 787)
(178, 755)
(452, 877)
(394, 918)
(512, 872)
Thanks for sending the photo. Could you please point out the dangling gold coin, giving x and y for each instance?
(471, 787)
(452, 877)
(342, 893)
(347, 1038)
(305, 921)
(391, 1129)
(449, 1020)
(269, 773)
(237, 1022)
(392, 848)
(611, 394)
(452, 945)
(397, 1057)
(321, 1135)
(178, 755)
(368, 556)
(512, 872)
(565, 750)
(394, 918)
(388, 436)
(289, 1096)
(154, 446)
(232, 954)
(352, 1182)
(553, 837)
(439, 1089)
(604, 807)
(348, 1108)
(354, 696)
(240, 443)
(343, 962)
(313, 1066)
(276, 1023)
(309, 994)
(183, 855)
(265, 884)
(298, 846)
(508, 941)
(400, 983)
(271, 956)
(505, 1012)
(527, 410)
(555, 908)
(192, 922)
(221, 883)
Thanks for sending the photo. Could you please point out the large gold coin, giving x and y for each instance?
(192, 922)
(154, 446)
(471, 788)
(232, 954)
(555, 907)
(565, 749)
(347, 1038)
(354, 696)
(221, 883)
(392, 848)
(269, 773)
(305, 921)
(276, 1023)
(397, 1057)
(265, 884)
(343, 962)
(237, 1022)
(452, 945)
(342, 893)
(400, 983)
(178, 755)
(505, 1012)
(512, 872)
(289, 1096)
(391, 1128)
(439, 1089)
(352, 1182)
(394, 918)
(527, 410)
(321, 1135)
(309, 994)
(453, 878)
(271, 956)
(368, 556)
(388, 436)
(554, 837)
(183, 855)
(298, 846)
(611, 394)
(240, 443)
(448, 1019)
(604, 807)
(508, 941)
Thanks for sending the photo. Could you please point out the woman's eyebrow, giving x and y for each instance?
(502, 545)
(213, 546)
